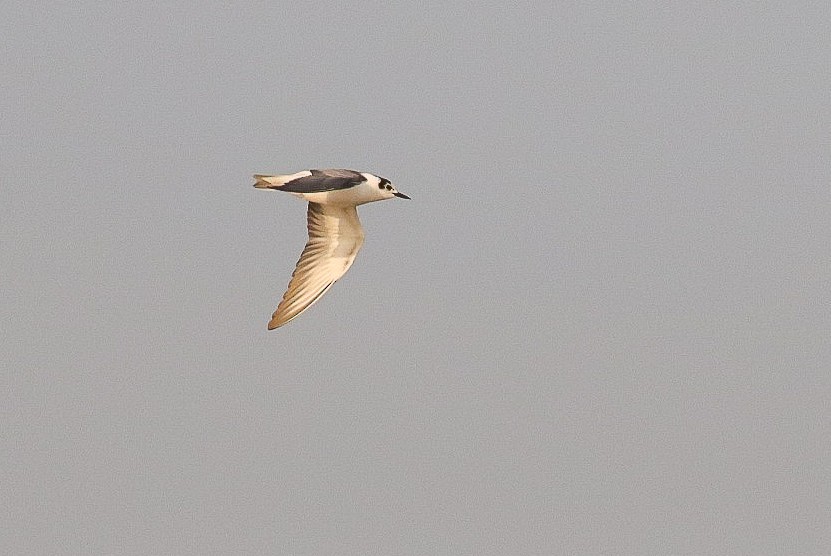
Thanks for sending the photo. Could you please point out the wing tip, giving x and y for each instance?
(276, 322)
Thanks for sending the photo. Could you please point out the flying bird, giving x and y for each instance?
(335, 233)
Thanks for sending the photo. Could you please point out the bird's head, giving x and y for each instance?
(387, 190)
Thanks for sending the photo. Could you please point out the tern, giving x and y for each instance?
(335, 232)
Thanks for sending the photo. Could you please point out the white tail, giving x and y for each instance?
(274, 182)
(265, 182)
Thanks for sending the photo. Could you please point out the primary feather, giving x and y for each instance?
(335, 237)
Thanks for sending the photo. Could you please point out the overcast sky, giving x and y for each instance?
(602, 324)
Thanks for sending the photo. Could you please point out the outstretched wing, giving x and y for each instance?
(335, 237)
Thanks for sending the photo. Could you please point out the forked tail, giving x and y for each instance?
(276, 182)
(267, 182)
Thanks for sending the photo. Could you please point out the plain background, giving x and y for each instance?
(601, 325)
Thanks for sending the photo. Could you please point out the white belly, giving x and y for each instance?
(363, 193)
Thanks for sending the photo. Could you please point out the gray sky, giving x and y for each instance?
(601, 325)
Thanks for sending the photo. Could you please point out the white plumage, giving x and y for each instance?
(335, 232)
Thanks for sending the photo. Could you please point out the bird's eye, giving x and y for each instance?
(389, 187)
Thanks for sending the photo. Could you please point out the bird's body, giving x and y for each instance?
(335, 232)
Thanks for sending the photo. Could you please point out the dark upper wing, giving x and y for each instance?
(324, 180)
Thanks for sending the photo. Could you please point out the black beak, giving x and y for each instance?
(399, 194)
